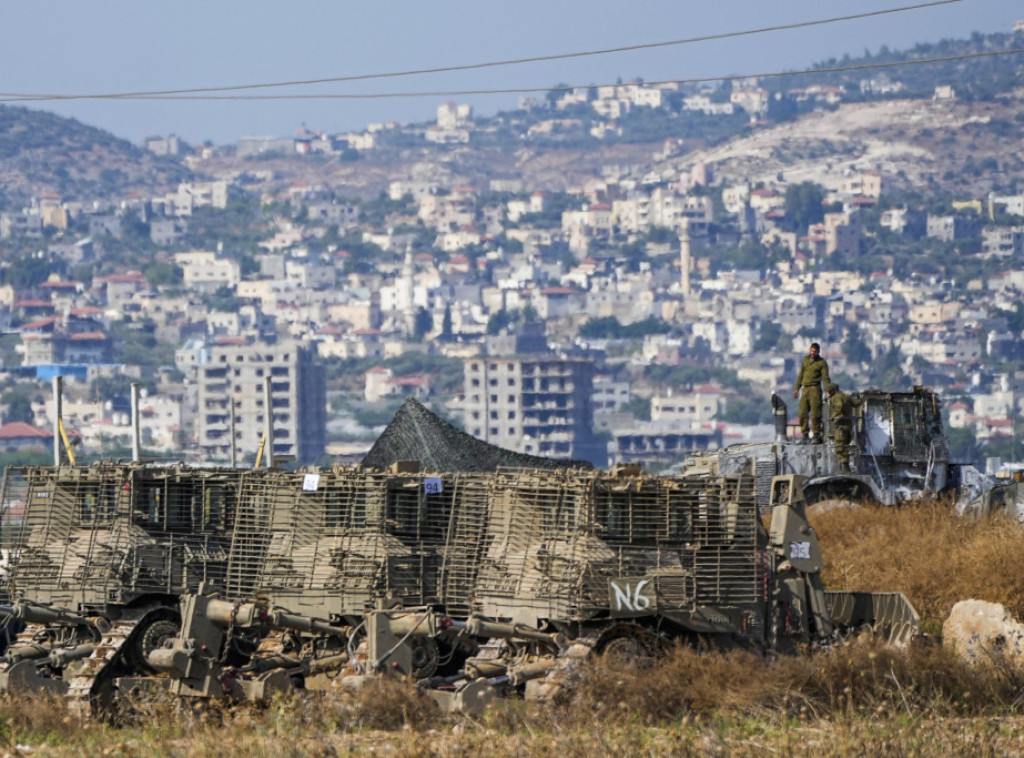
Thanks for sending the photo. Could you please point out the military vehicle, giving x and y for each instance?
(99, 555)
(478, 584)
(898, 451)
(98, 558)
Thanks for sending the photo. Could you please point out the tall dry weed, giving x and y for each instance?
(925, 551)
(863, 676)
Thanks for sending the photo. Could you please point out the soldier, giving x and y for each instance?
(813, 373)
(840, 413)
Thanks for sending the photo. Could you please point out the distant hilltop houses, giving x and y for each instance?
(634, 312)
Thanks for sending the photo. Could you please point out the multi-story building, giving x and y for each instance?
(206, 271)
(235, 377)
(65, 339)
(1002, 241)
(537, 404)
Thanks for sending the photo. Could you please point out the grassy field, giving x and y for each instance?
(855, 699)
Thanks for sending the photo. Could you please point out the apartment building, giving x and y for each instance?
(206, 271)
(537, 404)
(235, 377)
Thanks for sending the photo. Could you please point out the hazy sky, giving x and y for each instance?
(69, 47)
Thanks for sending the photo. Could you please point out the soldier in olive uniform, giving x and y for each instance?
(840, 413)
(813, 373)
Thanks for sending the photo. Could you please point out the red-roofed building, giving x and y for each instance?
(65, 339)
(119, 289)
(17, 435)
(30, 308)
(559, 302)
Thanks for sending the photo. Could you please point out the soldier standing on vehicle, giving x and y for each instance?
(840, 413)
(813, 373)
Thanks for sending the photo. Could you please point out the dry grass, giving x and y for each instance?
(855, 700)
(926, 552)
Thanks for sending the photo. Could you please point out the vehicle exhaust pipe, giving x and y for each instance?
(780, 414)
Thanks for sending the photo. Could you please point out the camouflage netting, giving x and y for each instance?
(417, 434)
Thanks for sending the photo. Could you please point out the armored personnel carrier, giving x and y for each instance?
(898, 451)
(520, 575)
(98, 558)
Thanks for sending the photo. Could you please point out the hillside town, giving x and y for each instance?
(648, 312)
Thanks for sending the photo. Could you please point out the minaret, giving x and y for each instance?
(684, 258)
(405, 297)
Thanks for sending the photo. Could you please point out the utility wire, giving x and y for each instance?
(527, 90)
(157, 94)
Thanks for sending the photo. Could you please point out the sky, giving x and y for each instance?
(71, 49)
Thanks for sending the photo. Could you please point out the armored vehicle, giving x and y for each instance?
(520, 575)
(98, 558)
(897, 452)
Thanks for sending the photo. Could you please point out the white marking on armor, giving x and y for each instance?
(638, 602)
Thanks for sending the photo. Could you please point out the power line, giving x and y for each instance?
(158, 94)
(525, 90)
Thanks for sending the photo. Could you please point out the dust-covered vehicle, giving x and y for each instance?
(897, 451)
(98, 557)
(523, 574)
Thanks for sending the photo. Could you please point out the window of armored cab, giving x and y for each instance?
(679, 504)
(631, 511)
(215, 506)
(909, 436)
(692, 511)
(183, 503)
(419, 507)
(97, 499)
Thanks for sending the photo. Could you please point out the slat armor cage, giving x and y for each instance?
(92, 536)
(534, 546)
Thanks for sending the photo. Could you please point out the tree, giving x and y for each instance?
(225, 301)
(770, 337)
(640, 407)
(963, 447)
(162, 273)
(609, 327)
(499, 320)
(422, 324)
(17, 407)
(111, 387)
(555, 94)
(887, 370)
(745, 408)
(803, 205)
(26, 272)
(854, 348)
(446, 324)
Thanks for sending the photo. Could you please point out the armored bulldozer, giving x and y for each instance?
(897, 452)
(98, 558)
(522, 574)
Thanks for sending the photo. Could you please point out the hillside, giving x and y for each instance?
(950, 146)
(954, 147)
(41, 152)
(540, 167)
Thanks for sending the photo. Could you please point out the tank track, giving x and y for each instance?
(88, 675)
(91, 680)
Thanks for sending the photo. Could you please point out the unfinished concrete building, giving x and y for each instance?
(235, 377)
(536, 404)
